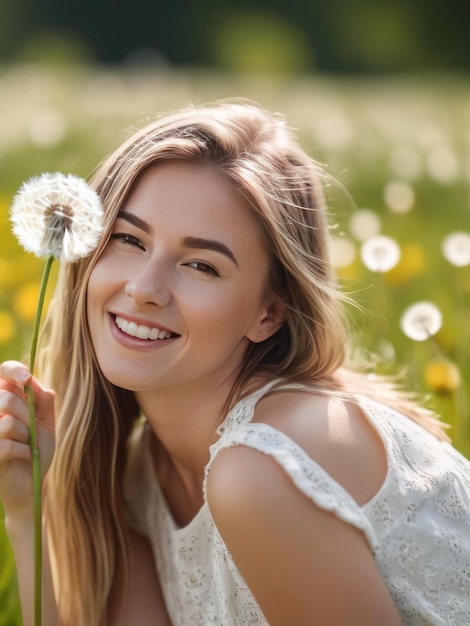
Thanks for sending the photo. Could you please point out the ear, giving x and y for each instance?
(271, 319)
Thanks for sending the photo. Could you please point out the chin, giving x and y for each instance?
(127, 380)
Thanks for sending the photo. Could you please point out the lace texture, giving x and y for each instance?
(418, 524)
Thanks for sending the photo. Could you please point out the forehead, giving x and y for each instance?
(193, 197)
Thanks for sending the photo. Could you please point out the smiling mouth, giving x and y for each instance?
(141, 331)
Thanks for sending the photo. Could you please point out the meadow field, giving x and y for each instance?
(397, 154)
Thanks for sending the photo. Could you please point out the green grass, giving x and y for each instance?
(369, 133)
(9, 603)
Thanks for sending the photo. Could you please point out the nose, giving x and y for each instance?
(149, 285)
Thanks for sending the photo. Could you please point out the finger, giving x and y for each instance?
(14, 376)
(15, 372)
(13, 450)
(13, 428)
(12, 404)
(44, 403)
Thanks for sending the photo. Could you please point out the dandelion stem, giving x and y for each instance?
(36, 462)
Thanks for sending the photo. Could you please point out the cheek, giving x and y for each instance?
(100, 279)
(97, 289)
(224, 317)
(92, 293)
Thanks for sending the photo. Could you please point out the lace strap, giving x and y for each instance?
(306, 474)
(243, 410)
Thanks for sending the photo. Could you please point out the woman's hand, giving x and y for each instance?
(16, 485)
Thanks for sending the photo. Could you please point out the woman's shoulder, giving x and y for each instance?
(332, 432)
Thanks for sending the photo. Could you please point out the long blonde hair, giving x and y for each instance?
(261, 158)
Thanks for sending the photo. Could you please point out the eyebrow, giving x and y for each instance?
(209, 244)
(197, 243)
(135, 221)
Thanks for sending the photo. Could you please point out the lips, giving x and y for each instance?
(141, 331)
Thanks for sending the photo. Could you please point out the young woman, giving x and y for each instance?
(209, 440)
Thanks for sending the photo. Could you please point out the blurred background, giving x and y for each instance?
(379, 91)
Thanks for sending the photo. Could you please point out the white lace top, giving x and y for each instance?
(418, 524)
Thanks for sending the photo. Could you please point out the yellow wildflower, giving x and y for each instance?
(7, 327)
(442, 375)
(25, 301)
(412, 263)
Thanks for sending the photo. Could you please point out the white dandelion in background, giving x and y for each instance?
(421, 320)
(380, 253)
(399, 196)
(443, 165)
(57, 217)
(456, 248)
(364, 224)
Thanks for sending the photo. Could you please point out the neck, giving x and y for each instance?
(184, 420)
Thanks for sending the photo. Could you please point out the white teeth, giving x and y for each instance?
(132, 329)
(141, 332)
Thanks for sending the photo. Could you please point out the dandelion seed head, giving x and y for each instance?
(421, 320)
(456, 248)
(380, 253)
(399, 196)
(57, 214)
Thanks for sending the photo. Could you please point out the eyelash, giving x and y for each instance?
(199, 266)
(204, 268)
(126, 239)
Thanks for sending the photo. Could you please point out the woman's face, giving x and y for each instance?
(179, 290)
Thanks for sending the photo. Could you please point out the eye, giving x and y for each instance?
(128, 240)
(203, 268)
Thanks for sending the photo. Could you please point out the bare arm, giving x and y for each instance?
(141, 601)
(303, 564)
